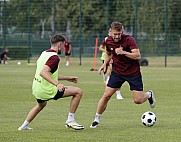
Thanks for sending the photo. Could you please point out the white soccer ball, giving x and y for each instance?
(19, 63)
(148, 118)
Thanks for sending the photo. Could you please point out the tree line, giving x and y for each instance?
(91, 17)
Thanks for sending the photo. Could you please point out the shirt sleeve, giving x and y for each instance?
(107, 47)
(103, 43)
(132, 43)
(53, 62)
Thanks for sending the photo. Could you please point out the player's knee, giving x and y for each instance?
(106, 97)
(41, 106)
(80, 92)
(138, 100)
(44, 105)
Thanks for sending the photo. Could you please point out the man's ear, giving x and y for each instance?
(61, 43)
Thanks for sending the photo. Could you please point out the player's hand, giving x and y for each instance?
(102, 68)
(61, 87)
(99, 71)
(119, 51)
(73, 79)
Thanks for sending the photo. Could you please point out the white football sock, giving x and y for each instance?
(97, 117)
(67, 63)
(149, 94)
(25, 124)
(118, 93)
(70, 117)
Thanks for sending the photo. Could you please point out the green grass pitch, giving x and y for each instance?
(121, 121)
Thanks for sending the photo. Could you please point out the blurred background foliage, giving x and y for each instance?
(155, 24)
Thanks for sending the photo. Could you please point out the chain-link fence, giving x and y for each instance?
(26, 25)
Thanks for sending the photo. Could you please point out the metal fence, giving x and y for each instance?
(26, 25)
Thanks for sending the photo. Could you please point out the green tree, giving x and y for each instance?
(96, 16)
(41, 15)
(175, 17)
(16, 15)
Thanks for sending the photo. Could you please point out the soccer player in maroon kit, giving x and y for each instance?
(67, 50)
(124, 52)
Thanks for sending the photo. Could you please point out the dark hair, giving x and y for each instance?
(117, 26)
(57, 38)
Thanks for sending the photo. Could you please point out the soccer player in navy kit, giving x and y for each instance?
(124, 52)
(3, 56)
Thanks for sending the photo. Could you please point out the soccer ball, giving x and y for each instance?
(148, 118)
(19, 63)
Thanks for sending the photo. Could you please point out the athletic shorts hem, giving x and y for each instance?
(135, 81)
(56, 97)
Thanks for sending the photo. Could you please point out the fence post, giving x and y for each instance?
(80, 32)
(136, 20)
(54, 15)
(166, 31)
(107, 14)
(29, 38)
(4, 25)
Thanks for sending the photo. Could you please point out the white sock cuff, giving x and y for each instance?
(70, 117)
(71, 113)
(25, 124)
(97, 114)
(118, 92)
(149, 94)
(97, 117)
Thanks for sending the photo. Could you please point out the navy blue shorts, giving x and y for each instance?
(67, 54)
(56, 97)
(135, 81)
